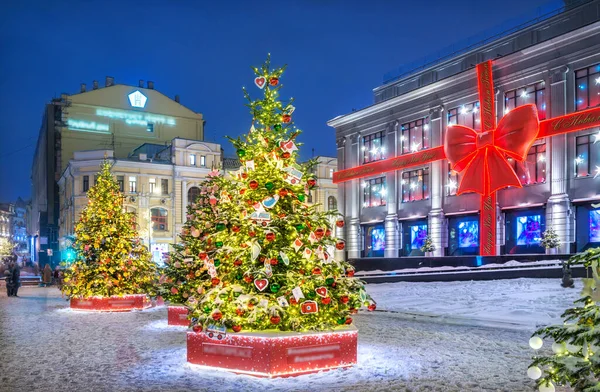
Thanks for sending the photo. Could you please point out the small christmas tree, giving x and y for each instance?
(268, 254)
(110, 257)
(576, 344)
(550, 239)
(6, 247)
(428, 245)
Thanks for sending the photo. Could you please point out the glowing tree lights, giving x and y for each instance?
(272, 279)
(575, 345)
(112, 266)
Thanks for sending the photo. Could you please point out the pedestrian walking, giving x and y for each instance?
(8, 280)
(57, 276)
(47, 275)
(16, 279)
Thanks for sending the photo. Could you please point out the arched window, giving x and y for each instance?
(160, 219)
(193, 194)
(331, 203)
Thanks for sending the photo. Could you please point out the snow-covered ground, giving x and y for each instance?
(46, 347)
(513, 303)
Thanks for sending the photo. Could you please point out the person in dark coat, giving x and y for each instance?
(8, 280)
(16, 279)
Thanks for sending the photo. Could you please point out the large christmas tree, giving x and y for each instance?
(575, 360)
(268, 254)
(110, 257)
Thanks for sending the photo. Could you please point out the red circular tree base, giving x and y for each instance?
(177, 315)
(273, 354)
(115, 303)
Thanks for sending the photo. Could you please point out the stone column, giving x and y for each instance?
(341, 197)
(558, 208)
(184, 198)
(352, 199)
(392, 237)
(436, 215)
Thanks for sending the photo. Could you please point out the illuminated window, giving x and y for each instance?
(121, 182)
(533, 170)
(331, 203)
(534, 93)
(164, 186)
(193, 194)
(582, 155)
(330, 173)
(86, 183)
(374, 192)
(587, 87)
(132, 184)
(192, 160)
(415, 185)
(415, 136)
(202, 160)
(159, 219)
(373, 147)
(467, 115)
(152, 185)
(150, 127)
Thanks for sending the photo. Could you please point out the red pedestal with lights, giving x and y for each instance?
(125, 303)
(177, 315)
(274, 354)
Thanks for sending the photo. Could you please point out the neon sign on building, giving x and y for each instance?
(89, 126)
(133, 118)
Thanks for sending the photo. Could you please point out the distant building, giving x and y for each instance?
(19, 227)
(6, 213)
(158, 183)
(325, 194)
(116, 117)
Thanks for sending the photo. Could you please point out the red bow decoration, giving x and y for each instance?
(483, 155)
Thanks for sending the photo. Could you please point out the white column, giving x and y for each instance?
(352, 199)
(392, 236)
(184, 198)
(558, 208)
(340, 232)
(436, 215)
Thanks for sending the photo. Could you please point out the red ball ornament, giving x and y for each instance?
(236, 328)
(215, 281)
(252, 234)
(248, 279)
(372, 307)
(237, 263)
(197, 328)
(262, 259)
(235, 229)
(340, 245)
(349, 320)
(282, 215)
(286, 155)
(203, 255)
(239, 311)
(350, 273)
(301, 271)
(275, 320)
(250, 305)
(270, 236)
(326, 300)
(283, 192)
(244, 175)
(339, 223)
(274, 261)
(249, 202)
(319, 232)
(286, 118)
(253, 184)
(328, 233)
(353, 310)
(312, 182)
(217, 316)
(293, 301)
(344, 299)
(273, 81)
(242, 191)
(316, 271)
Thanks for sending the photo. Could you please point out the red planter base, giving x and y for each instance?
(274, 354)
(126, 303)
(177, 315)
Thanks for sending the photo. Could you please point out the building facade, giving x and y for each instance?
(553, 64)
(325, 194)
(157, 181)
(115, 117)
(6, 214)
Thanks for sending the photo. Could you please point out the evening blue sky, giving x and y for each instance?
(336, 51)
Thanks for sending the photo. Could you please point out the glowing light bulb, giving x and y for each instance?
(597, 137)
(542, 158)
(426, 127)
(506, 110)
(463, 110)
(524, 94)
(364, 148)
(578, 160)
(365, 184)
(475, 109)
(413, 185)
(403, 182)
(374, 151)
(451, 185)
(383, 192)
(598, 80)
(382, 150)
(415, 147)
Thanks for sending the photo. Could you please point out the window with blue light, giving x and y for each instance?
(415, 185)
(373, 147)
(587, 92)
(531, 94)
(415, 136)
(374, 192)
(582, 155)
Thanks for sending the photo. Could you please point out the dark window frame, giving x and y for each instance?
(520, 168)
(538, 89)
(374, 198)
(368, 143)
(407, 131)
(583, 140)
(86, 183)
(407, 179)
(164, 186)
(588, 77)
(161, 220)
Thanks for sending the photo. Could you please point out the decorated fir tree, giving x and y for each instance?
(110, 257)
(550, 239)
(575, 357)
(268, 254)
(6, 247)
(428, 245)
(185, 273)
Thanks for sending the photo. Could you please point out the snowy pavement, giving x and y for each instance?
(45, 346)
